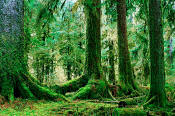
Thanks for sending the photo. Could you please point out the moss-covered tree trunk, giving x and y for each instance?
(93, 33)
(96, 86)
(14, 78)
(93, 49)
(111, 62)
(125, 71)
(157, 88)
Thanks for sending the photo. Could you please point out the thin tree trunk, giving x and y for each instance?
(111, 62)
(170, 48)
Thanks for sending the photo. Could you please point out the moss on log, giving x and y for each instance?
(71, 86)
(133, 101)
(24, 86)
(131, 112)
(24, 90)
(95, 89)
(41, 92)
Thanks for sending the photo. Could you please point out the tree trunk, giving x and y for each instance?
(170, 48)
(157, 88)
(68, 71)
(170, 57)
(111, 62)
(93, 38)
(125, 70)
(96, 87)
(14, 78)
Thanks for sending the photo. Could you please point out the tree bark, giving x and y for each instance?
(93, 49)
(93, 38)
(14, 78)
(157, 87)
(125, 70)
(111, 62)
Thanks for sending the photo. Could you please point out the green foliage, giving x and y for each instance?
(54, 36)
(57, 39)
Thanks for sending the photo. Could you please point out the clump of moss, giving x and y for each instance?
(71, 86)
(95, 89)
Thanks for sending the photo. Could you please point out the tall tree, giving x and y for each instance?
(157, 88)
(111, 56)
(125, 71)
(96, 86)
(93, 33)
(14, 78)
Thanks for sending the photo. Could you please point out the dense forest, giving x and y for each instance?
(87, 57)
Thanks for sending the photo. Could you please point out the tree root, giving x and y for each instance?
(111, 95)
(149, 101)
(95, 89)
(133, 100)
(43, 92)
(7, 88)
(71, 86)
(126, 89)
(24, 90)
(24, 86)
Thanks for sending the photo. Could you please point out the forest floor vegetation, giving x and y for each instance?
(90, 105)
(94, 107)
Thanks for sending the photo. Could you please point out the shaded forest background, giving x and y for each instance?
(63, 39)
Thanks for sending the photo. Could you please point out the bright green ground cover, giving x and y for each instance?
(75, 108)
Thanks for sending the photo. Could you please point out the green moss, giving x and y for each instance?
(75, 108)
(7, 88)
(83, 93)
(95, 89)
(24, 90)
(72, 85)
(131, 112)
(43, 92)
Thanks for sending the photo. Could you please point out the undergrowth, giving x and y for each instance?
(75, 108)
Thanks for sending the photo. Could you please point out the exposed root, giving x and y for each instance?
(25, 86)
(149, 101)
(7, 88)
(24, 91)
(126, 89)
(43, 92)
(72, 85)
(133, 100)
(111, 95)
(95, 89)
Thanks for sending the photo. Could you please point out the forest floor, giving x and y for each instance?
(105, 107)
(76, 108)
